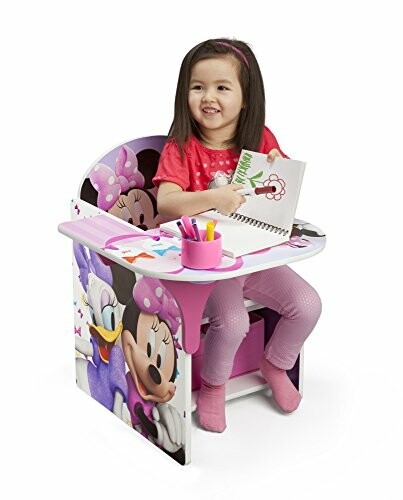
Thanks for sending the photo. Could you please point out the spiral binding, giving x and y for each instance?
(259, 224)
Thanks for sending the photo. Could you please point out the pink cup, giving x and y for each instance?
(202, 254)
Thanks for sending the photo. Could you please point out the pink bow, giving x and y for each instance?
(153, 298)
(110, 184)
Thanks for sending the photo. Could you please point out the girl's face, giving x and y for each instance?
(215, 96)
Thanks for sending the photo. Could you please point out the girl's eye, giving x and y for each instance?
(222, 87)
(197, 87)
(108, 318)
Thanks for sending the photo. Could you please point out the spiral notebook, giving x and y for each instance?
(264, 220)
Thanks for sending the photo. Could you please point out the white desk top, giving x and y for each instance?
(161, 259)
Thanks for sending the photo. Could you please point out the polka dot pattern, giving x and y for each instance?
(152, 297)
(110, 184)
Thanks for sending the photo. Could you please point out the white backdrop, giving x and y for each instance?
(81, 77)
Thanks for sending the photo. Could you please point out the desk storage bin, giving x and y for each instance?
(247, 358)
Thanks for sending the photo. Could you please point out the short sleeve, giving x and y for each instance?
(269, 142)
(171, 167)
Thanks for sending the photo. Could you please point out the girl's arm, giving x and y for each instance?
(174, 202)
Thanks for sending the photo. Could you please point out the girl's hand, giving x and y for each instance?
(273, 153)
(226, 199)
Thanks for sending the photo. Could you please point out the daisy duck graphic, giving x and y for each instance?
(103, 375)
(126, 190)
(150, 324)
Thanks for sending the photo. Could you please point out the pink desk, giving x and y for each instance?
(138, 252)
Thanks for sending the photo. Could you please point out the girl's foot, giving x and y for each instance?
(284, 393)
(211, 407)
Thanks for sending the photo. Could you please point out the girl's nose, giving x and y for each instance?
(209, 96)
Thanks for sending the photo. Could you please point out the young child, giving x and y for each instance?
(220, 109)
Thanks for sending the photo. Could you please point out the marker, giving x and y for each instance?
(210, 231)
(188, 226)
(196, 230)
(256, 191)
(181, 229)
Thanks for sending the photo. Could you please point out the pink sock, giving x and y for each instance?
(284, 392)
(211, 407)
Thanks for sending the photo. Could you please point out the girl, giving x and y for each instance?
(220, 109)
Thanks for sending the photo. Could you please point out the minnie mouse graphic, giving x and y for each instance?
(150, 346)
(126, 190)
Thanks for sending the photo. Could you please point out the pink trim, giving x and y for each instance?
(236, 265)
(191, 299)
(120, 237)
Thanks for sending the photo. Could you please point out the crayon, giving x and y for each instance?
(210, 231)
(181, 229)
(196, 230)
(188, 226)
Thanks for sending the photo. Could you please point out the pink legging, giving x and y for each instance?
(280, 289)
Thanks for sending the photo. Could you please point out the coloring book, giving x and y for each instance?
(265, 220)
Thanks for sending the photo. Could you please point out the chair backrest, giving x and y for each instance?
(120, 182)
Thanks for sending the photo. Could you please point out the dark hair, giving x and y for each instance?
(249, 131)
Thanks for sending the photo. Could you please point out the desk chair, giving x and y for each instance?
(113, 337)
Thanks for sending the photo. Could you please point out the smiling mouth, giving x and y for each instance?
(210, 111)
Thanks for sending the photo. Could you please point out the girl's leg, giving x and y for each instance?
(229, 323)
(284, 291)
